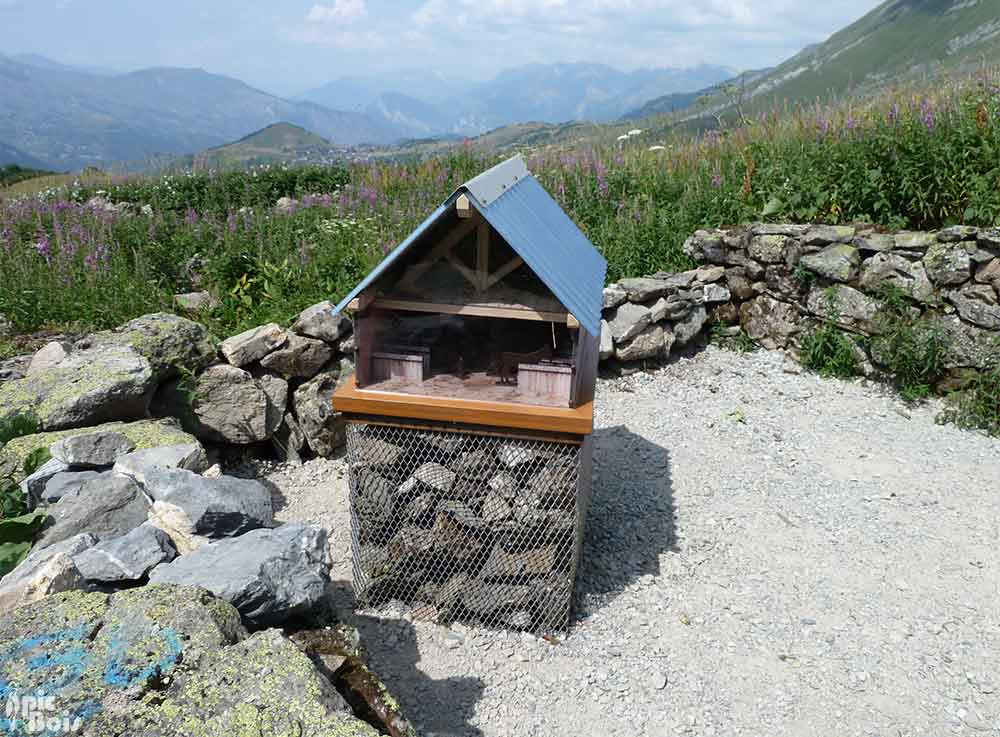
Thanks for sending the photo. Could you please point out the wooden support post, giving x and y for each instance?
(483, 255)
(471, 276)
(503, 271)
(439, 251)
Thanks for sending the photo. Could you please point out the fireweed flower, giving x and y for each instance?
(43, 246)
(894, 113)
(717, 179)
(927, 114)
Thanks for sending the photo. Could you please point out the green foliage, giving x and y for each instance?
(828, 350)
(12, 174)
(16, 537)
(12, 501)
(17, 427)
(917, 163)
(978, 405)
(803, 276)
(911, 347)
(733, 339)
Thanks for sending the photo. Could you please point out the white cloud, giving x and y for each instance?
(342, 12)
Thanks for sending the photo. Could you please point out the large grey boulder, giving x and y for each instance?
(224, 404)
(687, 329)
(845, 305)
(650, 343)
(892, 269)
(264, 685)
(972, 308)
(92, 450)
(109, 382)
(956, 233)
(323, 428)
(170, 343)
(822, 235)
(612, 296)
(838, 262)
(769, 322)
(989, 273)
(628, 320)
(769, 249)
(915, 241)
(948, 264)
(145, 434)
(268, 575)
(106, 506)
(49, 356)
(126, 558)
(34, 485)
(967, 346)
(43, 572)
(109, 375)
(606, 347)
(299, 358)
(192, 509)
(276, 392)
(63, 484)
(187, 456)
(124, 648)
(320, 323)
(643, 289)
(874, 242)
(252, 345)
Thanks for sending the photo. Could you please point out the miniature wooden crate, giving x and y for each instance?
(545, 380)
(406, 366)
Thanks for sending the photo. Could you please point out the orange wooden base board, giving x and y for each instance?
(349, 399)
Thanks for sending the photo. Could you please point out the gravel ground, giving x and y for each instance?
(768, 553)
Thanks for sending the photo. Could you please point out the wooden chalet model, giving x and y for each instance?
(489, 313)
(469, 418)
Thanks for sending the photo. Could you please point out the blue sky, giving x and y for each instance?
(286, 46)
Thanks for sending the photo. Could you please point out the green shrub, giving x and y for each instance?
(734, 340)
(826, 349)
(17, 534)
(911, 347)
(978, 405)
(830, 352)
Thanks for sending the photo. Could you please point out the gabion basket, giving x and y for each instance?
(457, 525)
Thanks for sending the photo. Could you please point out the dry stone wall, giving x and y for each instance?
(777, 281)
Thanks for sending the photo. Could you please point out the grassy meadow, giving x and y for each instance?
(903, 160)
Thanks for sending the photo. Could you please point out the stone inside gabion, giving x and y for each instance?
(465, 527)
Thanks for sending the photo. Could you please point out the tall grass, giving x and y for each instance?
(900, 161)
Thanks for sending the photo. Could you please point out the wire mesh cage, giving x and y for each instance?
(484, 529)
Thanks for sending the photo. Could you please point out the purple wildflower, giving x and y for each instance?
(191, 217)
(717, 179)
(927, 115)
(894, 113)
(43, 246)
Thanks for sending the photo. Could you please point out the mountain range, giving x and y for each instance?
(899, 41)
(68, 117)
(550, 93)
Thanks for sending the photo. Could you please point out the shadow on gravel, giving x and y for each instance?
(436, 708)
(631, 518)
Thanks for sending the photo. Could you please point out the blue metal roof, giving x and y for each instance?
(538, 230)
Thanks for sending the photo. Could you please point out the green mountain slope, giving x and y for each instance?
(901, 40)
(73, 119)
(279, 143)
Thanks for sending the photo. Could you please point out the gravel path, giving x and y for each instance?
(768, 553)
